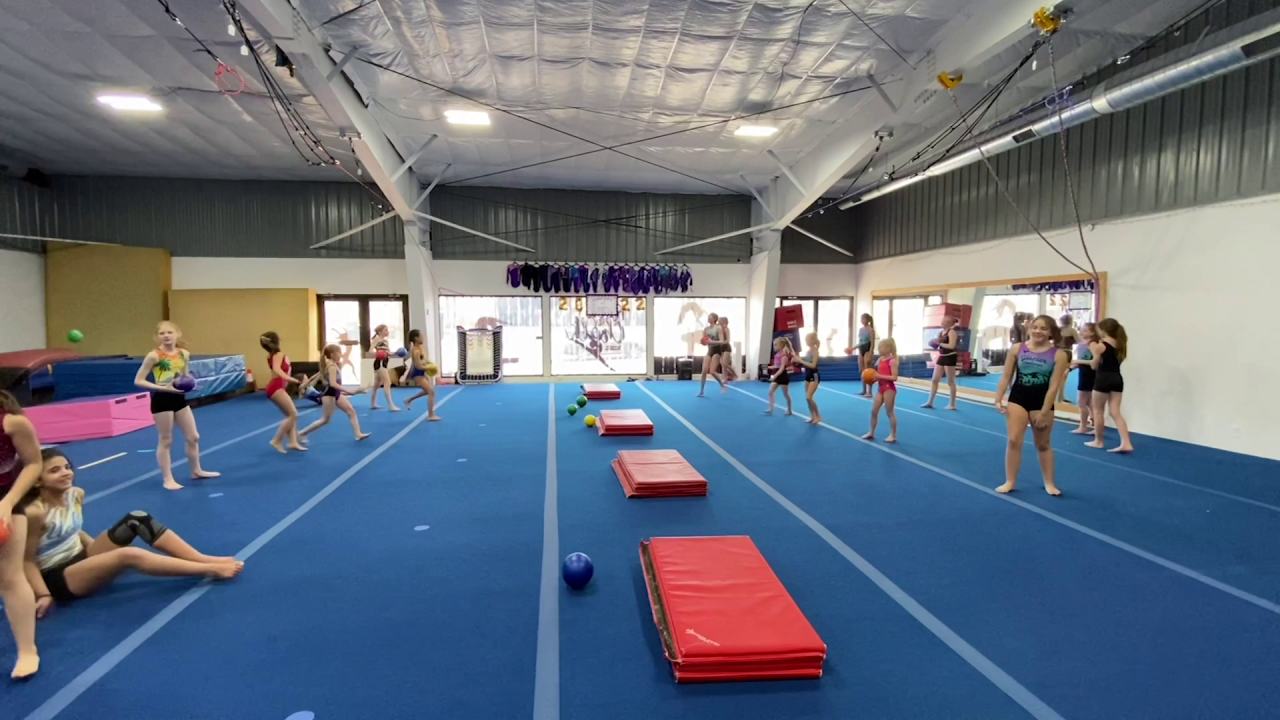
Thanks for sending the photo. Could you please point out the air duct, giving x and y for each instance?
(1230, 50)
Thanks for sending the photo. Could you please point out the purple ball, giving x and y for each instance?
(184, 383)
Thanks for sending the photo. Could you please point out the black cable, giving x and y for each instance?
(878, 35)
(203, 47)
(343, 14)
(795, 47)
(841, 198)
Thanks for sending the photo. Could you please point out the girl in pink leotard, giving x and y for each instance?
(886, 377)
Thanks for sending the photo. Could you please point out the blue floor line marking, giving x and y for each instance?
(183, 461)
(998, 677)
(113, 657)
(1114, 542)
(546, 679)
(1029, 440)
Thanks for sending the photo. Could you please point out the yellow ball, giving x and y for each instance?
(432, 369)
(590, 420)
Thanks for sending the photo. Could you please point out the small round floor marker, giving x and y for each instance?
(303, 715)
(481, 424)
(216, 495)
(462, 459)
(420, 528)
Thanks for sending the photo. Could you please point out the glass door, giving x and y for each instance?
(908, 325)
(342, 327)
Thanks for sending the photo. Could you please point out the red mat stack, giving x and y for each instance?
(723, 615)
(601, 391)
(624, 422)
(657, 473)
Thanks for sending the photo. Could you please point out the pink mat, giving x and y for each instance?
(92, 417)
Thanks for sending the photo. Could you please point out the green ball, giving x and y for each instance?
(573, 409)
(582, 401)
(75, 336)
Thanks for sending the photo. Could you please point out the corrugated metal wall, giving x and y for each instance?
(1214, 142)
(213, 218)
(832, 225)
(565, 225)
(24, 210)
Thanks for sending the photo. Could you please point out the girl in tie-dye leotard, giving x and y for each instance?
(1037, 368)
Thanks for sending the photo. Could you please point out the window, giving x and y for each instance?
(933, 300)
(997, 317)
(880, 313)
(349, 321)
(908, 325)
(678, 324)
(583, 345)
(521, 321)
(833, 324)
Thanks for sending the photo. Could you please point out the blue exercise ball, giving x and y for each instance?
(577, 570)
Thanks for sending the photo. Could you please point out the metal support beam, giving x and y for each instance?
(883, 95)
(342, 63)
(418, 203)
(787, 171)
(763, 205)
(735, 233)
(54, 239)
(281, 24)
(413, 158)
(466, 229)
(828, 243)
(985, 29)
(356, 229)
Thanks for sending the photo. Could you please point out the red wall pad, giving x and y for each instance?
(723, 615)
(601, 391)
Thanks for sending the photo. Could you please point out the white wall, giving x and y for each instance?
(1192, 288)
(22, 319)
(337, 276)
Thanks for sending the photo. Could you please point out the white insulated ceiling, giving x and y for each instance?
(606, 71)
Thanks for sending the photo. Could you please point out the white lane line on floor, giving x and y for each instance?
(934, 415)
(546, 677)
(99, 462)
(183, 461)
(113, 657)
(1114, 542)
(998, 677)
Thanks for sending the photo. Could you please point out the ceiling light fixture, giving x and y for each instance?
(466, 117)
(755, 131)
(130, 103)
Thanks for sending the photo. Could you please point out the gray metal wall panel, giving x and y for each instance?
(1215, 142)
(563, 225)
(24, 210)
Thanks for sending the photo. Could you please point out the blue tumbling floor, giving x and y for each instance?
(413, 575)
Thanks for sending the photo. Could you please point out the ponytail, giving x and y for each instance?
(1114, 330)
(9, 403)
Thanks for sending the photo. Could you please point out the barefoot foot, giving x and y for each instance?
(1005, 488)
(395, 409)
(1122, 449)
(28, 664)
(172, 485)
(927, 406)
(1053, 490)
(362, 436)
(204, 475)
(299, 448)
(891, 439)
(1094, 444)
(226, 570)
(869, 436)
(433, 418)
(1080, 431)
(279, 448)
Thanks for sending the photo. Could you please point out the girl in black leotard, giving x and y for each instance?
(1082, 360)
(811, 377)
(947, 344)
(1108, 385)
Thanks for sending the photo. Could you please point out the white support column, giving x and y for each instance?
(423, 292)
(762, 291)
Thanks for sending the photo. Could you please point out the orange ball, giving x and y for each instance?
(869, 376)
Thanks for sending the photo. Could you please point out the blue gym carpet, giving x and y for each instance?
(415, 574)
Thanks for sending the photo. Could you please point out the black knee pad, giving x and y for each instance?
(137, 524)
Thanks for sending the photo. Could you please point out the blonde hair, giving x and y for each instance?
(812, 339)
(782, 343)
(889, 342)
(177, 330)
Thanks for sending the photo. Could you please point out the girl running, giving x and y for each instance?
(726, 351)
(418, 373)
(866, 338)
(1108, 387)
(66, 564)
(811, 377)
(1084, 384)
(1038, 366)
(165, 364)
(278, 393)
(784, 357)
(332, 395)
(711, 339)
(886, 378)
(381, 376)
(19, 472)
(947, 343)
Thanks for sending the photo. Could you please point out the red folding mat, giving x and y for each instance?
(723, 615)
(601, 391)
(624, 422)
(657, 473)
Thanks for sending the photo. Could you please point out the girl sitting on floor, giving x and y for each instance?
(64, 564)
